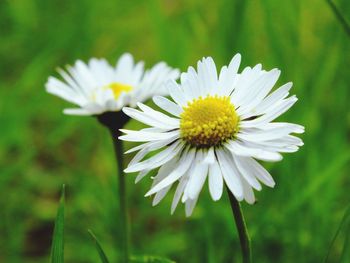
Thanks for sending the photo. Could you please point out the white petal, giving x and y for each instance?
(272, 99)
(210, 156)
(176, 93)
(245, 82)
(272, 114)
(228, 75)
(189, 206)
(160, 195)
(153, 145)
(274, 132)
(168, 105)
(242, 149)
(158, 159)
(216, 182)
(141, 136)
(197, 177)
(248, 193)
(246, 172)
(93, 108)
(192, 82)
(60, 89)
(292, 140)
(203, 77)
(147, 119)
(211, 72)
(259, 171)
(294, 128)
(230, 174)
(141, 175)
(72, 83)
(183, 165)
(162, 173)
(272, 146)
(83, 76)
(81, 112)
(259, 91)
(124, 66)
(179, 191)
(158, 115)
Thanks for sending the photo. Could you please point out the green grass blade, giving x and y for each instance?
(57, 249)
(150, 259)
(344, 229)
(100, 251)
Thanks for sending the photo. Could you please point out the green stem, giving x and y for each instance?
(339, 17)
(241, 228)
(118, 148)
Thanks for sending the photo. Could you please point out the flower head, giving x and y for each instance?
(97, 87)
(221, 124)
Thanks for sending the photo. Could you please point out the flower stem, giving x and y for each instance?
(115, 121)
(241, 228)
(118, 148)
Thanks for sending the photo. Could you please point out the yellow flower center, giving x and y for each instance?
(118, 88)
(208, 121)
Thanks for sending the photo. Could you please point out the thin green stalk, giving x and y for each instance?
(114, 121)
(118, 148)
(241, 228)
(339, 16)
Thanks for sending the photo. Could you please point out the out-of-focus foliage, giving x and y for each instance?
(40, 148)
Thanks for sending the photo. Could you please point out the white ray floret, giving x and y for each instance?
(98, 87)
(217, 127)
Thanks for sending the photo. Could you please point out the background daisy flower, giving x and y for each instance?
(102, 90)
(221, 124)
(98, 87)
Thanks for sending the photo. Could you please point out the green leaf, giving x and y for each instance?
(343, 233)
(100, 251)
(150, 259)
(57, 247)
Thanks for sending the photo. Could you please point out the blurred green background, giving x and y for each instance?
(40, 148)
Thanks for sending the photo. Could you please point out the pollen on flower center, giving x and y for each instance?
(208, 121)
(118, 88)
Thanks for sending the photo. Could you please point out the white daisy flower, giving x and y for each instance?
(220, 126)
(98, 87)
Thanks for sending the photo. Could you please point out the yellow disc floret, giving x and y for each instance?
(208, 121)
(118, 88)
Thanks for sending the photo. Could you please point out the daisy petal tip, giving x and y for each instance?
(156, 98)
(239, 198)
(139, 104)
(149, 193)
(216, 198)
(125, 110)
(280, 158)
(272, 184)
(127, 170)
(251, 202)
(237, 56)
(122, 138)
(128, 151)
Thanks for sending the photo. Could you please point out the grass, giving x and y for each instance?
(40, 149)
